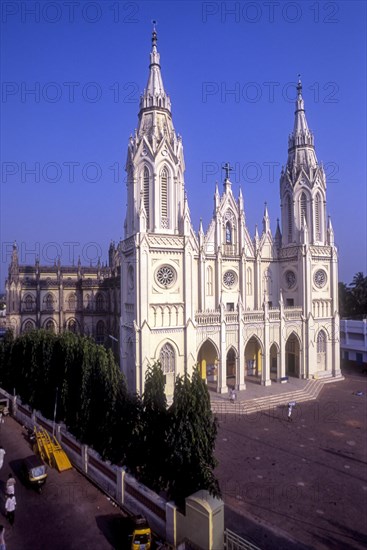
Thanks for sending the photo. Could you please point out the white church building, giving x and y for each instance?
(260, 308)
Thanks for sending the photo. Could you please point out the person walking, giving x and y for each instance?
(290, 409)
(10, 485)
(2, 454)
(10, 505)
(232, 395)
(2, 538)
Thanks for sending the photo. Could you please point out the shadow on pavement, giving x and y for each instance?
(116, 530)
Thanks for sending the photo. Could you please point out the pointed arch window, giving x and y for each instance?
(50, 326)
(167, 359)
(72, 326)
(29, 302)
(303, 206)
(100, 332)
(164, 197)
(28, 326)
(289, 218)
(49, 302)
(268, 282)
(72, 302)
(249, 281)
(321, 342)
(228, 233)
(87, 301)
(146, 192)
(318, 217)
(99, 302)
(209, 280)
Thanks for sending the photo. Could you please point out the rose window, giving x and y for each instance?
(290, 279)
(229, 278)
(166, 276)
(319, 278)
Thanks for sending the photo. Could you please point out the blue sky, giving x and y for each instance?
(230, 69)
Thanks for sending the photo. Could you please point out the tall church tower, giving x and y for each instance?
(155, 163)
(303, 185)
(308, 256)
(158, 275)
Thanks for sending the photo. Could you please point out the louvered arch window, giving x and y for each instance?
(318, 217)
(289, 218)
(321, 342)
(303, 204)
(146, 192)
(228, 233)
(167, 359)
(164, 196)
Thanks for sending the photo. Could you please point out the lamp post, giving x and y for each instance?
(53, 427)
(115, 353)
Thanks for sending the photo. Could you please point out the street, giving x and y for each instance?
(70, 513)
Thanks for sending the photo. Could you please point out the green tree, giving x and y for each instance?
(191, 439)
(353, 298)
(90, 387)
(153, 437)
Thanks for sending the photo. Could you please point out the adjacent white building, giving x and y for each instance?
(262, 307)
(353, 340)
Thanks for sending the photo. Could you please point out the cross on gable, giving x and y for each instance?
(227, 169)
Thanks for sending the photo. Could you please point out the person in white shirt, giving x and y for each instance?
(2, 454)
(10, 505)
(10, 485)
(2, 538)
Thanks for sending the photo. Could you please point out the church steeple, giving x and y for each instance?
(14, 264)
(154, 95)
(155, 163)
(302, 184)
(301, 151)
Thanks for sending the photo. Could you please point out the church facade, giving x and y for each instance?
(259, 308)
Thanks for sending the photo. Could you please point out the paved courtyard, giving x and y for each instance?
(299, 484)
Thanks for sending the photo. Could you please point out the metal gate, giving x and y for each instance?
(232, 541)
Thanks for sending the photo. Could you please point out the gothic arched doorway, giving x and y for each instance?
(274, 353)
(292, 356)
(321, 351)
(231, 368)
(167, 358)
(253, 358)
(208, 363)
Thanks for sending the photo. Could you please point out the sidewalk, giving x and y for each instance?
(255, 390)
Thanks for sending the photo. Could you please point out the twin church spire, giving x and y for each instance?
(155, 163)
(155, 166)
(154, 95)
(303, 185)
(301, 150)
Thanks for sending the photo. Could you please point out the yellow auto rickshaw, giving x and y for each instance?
(34, 471)
(141, 537)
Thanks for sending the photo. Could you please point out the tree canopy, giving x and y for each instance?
(169, 449)
(353, 297)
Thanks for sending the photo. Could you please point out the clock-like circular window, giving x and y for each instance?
(166, 276)
(290, 279)
(229, 278)
(320, 278)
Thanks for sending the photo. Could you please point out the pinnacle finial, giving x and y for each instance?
(299, 86)
(154, 33)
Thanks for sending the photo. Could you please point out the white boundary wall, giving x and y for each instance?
(163, 516)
